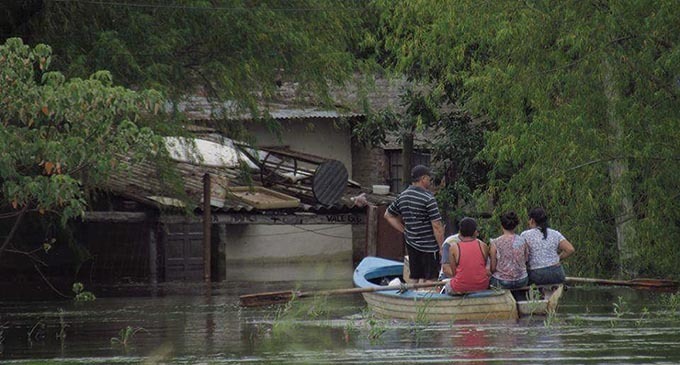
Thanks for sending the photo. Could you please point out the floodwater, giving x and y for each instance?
(197, 324)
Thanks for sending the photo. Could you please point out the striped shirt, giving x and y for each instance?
(418, 208)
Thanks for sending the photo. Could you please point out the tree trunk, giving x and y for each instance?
(619, 178)
(406, 158)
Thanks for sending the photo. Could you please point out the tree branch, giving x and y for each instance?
(10, 235)
(29, 254)
(48, 283)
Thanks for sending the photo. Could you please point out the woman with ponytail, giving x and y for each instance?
(546, 248)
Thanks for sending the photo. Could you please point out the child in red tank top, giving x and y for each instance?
(468, 261)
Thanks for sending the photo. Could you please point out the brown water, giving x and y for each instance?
(195, 324)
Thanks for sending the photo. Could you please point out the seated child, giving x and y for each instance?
(467, 260)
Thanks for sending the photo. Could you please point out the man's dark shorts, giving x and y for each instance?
(423, 265)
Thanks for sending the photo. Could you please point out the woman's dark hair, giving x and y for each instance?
(509, 220)
(541, 218)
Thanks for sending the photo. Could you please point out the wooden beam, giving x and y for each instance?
(115, 217)
(153, 254)
(289, 219)
(207, 222)
(372, 231)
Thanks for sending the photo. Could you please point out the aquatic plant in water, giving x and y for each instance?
(376, 327)
(620, 307)
(643, 316)
(319, 307)
(3, 327)
(533, 299)
(61, 335)
(82, 295)
(577, 321)
(37, 332)
(550, 319)
(422, 316)
(672, 303)
(126, 335)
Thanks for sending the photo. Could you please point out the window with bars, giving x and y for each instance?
(419, 157)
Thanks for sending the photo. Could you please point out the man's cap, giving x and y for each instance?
(419, 171)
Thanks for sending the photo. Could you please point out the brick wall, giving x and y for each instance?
(369, 165)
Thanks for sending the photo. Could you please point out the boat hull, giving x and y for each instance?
(428, 305)
(496, 306)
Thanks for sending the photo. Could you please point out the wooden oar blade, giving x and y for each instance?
(655, 284)
(641, 283)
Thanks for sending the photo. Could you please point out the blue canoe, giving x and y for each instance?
(487, 304)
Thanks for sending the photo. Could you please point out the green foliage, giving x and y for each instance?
(62, 138)
(574, 90)
(229, 49)
(454, 154)
(82, 295)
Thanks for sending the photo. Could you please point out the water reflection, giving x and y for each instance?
(470, 343)
(193, 323)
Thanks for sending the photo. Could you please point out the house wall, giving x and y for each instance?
(318, 137)
(282, 243)
(278, 244)
(369, 165)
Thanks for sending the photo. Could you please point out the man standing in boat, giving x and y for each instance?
(415, 213)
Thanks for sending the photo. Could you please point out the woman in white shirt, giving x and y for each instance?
(546, 248)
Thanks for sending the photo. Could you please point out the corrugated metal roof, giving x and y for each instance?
(199, 108)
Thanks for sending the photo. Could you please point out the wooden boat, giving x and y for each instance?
(487, 304)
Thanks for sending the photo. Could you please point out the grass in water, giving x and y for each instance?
(126, 335)
(643, 316)
(61, 335)
(619, 309)
(672, 303)
(533, 299)
(376, 326)
(550, 319)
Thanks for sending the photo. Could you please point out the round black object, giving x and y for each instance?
(329, 182)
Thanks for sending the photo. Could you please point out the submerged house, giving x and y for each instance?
(166, 239)
(309, 174)
(139, 229)
(301, 197)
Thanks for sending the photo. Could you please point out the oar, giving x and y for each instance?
(259, 299)
(639, 283)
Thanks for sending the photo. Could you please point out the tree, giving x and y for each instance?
(60, 138)
(230, 50)
(584, 96)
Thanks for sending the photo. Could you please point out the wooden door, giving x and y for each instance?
(390, 243)
(183, 252)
